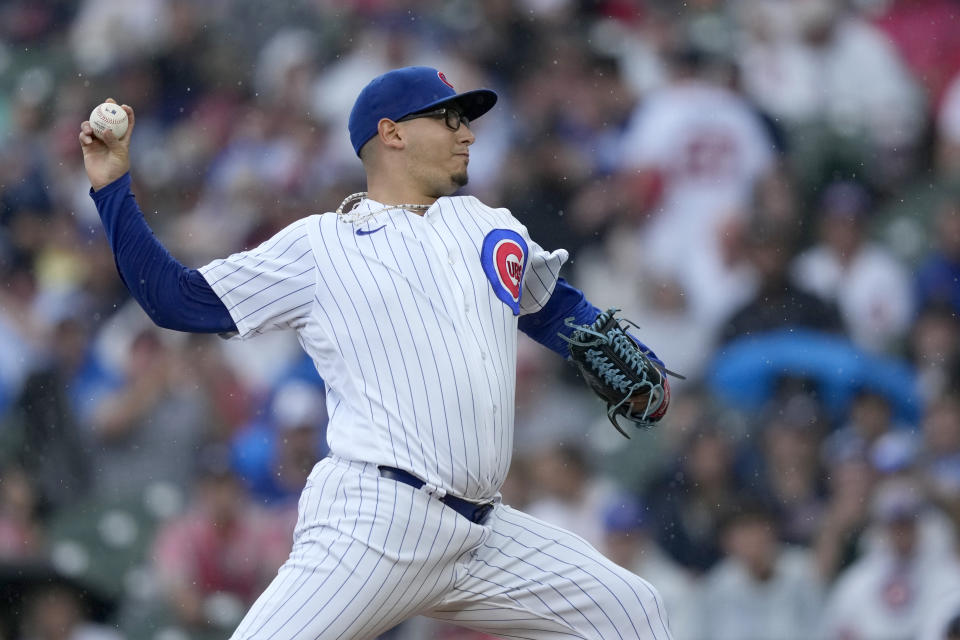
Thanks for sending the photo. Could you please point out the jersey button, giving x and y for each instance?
(483, 355)
(466, 307)
(452, 258)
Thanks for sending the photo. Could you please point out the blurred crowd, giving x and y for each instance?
(769, 188)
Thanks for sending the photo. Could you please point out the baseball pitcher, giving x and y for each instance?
(408, 299)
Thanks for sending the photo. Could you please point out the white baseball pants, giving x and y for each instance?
(370, 552)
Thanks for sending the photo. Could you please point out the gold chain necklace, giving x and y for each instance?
(356, 217)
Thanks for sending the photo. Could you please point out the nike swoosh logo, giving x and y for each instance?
(365, 232)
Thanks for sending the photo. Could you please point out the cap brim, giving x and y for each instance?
(473, 103)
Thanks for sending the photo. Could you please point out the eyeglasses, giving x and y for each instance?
(451, 117)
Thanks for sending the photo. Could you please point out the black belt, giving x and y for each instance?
(476, 513)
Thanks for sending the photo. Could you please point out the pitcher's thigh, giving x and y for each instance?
(327, 598)
(530, 579)
(369, 553)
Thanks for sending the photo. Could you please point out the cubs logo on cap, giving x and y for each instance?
(504, 259)
(408, 90)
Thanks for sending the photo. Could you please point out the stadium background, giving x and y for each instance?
(798, 261)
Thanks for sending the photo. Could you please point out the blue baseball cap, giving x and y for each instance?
(400, 92)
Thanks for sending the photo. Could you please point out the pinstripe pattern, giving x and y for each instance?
(418, 353)
(529, 579)
(368, 553)
(270, 286)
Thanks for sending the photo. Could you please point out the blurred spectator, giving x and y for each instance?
(934, 350)
(275, 456)
(938, 276)
(940, 454)
(231, 402)
(844, 522)
(45, 430)
(790, 433)
(654, 297)
(923, 31)
(149, 429)
(869, 418)
(948, 132)
(686, 500)
(548, 410)
(57, 612)
(889, 592)
(25, 205)
(629, 543)
(692, 157)
(104, 33)
(215, 559)
(501, 34)
(895, 453)
(559, 169)
(651, 457)
(837, 82)
(897, 457)
(953, 628)
(778, 301)
(570, 495)
(669, 322)
(20, 328)
(21, 533)
(944, 622)
(761, 589)
(518, 489)
(862, 278)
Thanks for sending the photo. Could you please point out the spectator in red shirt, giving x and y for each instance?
(214, 559)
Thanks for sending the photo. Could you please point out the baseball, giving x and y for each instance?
(108, 116)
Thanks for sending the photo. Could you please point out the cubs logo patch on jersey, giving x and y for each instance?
(504, 259)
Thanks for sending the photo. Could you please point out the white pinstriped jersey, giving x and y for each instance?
(412, 323)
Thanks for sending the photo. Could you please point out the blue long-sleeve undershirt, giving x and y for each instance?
(174, 296)
(546, 325)
(549, 323)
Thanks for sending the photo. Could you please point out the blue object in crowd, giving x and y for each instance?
(624, 514)
(938, 281)
(747, 371)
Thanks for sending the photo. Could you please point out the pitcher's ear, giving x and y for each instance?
(390, 133)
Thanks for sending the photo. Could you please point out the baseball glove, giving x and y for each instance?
(628, 378)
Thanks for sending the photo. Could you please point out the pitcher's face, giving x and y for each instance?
(437, 154)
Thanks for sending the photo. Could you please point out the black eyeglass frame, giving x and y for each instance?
(447, 113)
